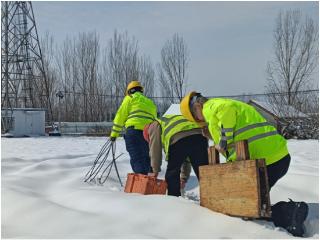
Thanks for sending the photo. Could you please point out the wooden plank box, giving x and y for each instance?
(139, 183)
(238, 188)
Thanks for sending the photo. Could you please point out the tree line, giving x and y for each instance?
(296, 53)
(93, 79)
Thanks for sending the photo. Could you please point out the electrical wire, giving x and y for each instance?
(102, 152)
(103, 165)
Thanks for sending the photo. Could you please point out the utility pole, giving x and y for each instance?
(6, 124)
(60, 96)
(23, 75)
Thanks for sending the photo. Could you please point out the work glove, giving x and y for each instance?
(113, 139)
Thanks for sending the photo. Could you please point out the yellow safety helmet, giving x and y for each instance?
(185, 106)
(133, 84)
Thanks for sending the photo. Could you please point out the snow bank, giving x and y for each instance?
(44, 196)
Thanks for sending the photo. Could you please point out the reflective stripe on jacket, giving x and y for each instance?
(136, 110)
(171, 125)
(230, 121)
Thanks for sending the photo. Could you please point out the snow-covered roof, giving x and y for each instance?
(173, 109)
(283, 111)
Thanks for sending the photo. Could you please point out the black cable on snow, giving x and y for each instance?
(115, 165)
(101, 153)
(110, 167)
(102, 162)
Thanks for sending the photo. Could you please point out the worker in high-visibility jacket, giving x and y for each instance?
(229, 121)
(135, 112)
(183, 144)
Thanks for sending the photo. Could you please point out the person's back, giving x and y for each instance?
(142, 111)
(175, 127)
(135, 112)
(240, 121)
(183, 145)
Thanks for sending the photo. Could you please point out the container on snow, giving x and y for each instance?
(139, 183)
(238, 188)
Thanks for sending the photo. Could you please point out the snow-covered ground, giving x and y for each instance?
(44, 196)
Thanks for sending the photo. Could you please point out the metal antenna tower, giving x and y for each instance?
(23, 79)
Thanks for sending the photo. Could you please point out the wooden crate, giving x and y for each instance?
(139, 183)
(238, 188)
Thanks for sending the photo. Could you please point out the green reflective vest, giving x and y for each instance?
(136, 110)
(231, 121)
(172, 124)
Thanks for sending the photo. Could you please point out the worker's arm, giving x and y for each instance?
(227, 117)
(206, 132)
(121, 117)
(155, 146)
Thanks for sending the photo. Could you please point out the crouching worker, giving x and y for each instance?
(135, 112)
(182, 141)
(230, 121)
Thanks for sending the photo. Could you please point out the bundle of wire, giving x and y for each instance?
(102, 166)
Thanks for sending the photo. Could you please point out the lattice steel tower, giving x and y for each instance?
(23, 79)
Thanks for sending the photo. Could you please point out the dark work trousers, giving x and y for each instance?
(277, 170)
(138, 150)
(196, 148)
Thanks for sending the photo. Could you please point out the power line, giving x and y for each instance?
(219, 96)
(267, 94)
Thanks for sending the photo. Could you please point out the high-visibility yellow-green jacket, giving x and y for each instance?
(231, 121)
(136, 110)
(172, 124)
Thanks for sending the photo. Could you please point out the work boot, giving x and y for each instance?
(290, 216)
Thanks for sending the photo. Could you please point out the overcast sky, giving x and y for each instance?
(229, 42)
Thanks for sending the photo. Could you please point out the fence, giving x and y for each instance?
(86, 128)
(79, 107)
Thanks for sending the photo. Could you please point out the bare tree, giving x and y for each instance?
(125, 65)
(68, 71)
(122, 61)
(164, 90)
(64, 63)
(290, 73)
(86, 55)
(146, 75)
(94, 81)
(173, 67)
(47, 86)
(296, 55)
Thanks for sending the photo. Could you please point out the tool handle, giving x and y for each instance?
(242, 150)
(213, 155)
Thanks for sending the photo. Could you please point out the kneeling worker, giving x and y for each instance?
(230, 121)
(182, 141)
(135, 112)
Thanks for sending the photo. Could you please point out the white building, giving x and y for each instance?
(25, 122)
